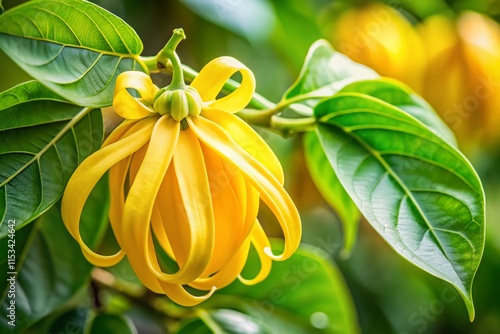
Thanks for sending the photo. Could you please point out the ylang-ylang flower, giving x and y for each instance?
(188, 173)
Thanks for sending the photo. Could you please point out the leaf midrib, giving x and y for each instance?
(403, 186)
(78, 117)
(348, 130)
(104, 52)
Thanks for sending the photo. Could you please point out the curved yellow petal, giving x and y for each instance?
(85, 178)
(141, 197)
(248, 139)
(228, 217)
(253, 202)
(136, 162)
(117, 177)
(128, 106)
(159, 230)
(174, 217)
(228, 273)
(120, 131)
(260, 241)
(178, 294)
(270, 189)
(192, 179)
(212, 78)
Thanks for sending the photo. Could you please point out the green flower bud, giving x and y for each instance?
(179, 103)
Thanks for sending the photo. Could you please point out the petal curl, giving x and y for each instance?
(228, 273)
(179, 295)
(271, 191)
(176, 292)
(212, 78)
(260, 241)
(85, 178)
(248, 139)
(128, 106)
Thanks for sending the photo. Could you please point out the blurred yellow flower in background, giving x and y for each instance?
(454, 63)
(462, 80)
(188, 173)
(378, 36)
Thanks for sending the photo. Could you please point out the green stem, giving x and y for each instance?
(260, 111)
(168, 54)
(290, 125)
(258, 101)
(150, 62)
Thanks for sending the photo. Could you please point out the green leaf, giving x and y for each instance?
(112, 324)
(304, 294)
(324, 73)
(400, 95)
(420, 193)
(50, 265)
(43, 138)
(331, 189)
(74, 47)
(73, 321)
(222, 321)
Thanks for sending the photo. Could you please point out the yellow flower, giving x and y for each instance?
(462, 77)
(186, 172)
(378, 36)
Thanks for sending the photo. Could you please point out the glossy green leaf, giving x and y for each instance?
(74, 47)
(43, 138)
(331, 189)
(304, 294)
(400, 95)
(50, 265)
(222, 321)
(324, 73)
(112, 324)
(420, 193)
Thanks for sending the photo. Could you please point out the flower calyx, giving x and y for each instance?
(178, 103)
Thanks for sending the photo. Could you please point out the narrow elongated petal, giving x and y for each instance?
(269, 187)
(117, 177)
(212, 78)
(228, 273)
(252, 207)
(85, 178)
(193, 246)
(159, 231)
(136, 162)
(260, 241)
(176, 292)
(227, 213)
(120, 131)
(140, 199)
(128, 106)
(248, 139)
(195, 194)
(179, 295)
(174, 217)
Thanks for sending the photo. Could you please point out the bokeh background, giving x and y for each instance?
(447, 51)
